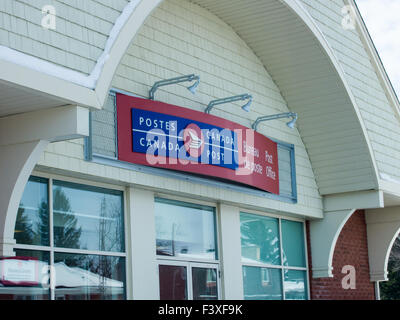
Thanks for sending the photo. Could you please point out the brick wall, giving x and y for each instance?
(351, 249)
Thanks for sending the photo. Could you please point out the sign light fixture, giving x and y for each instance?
(245, 107)
(290, 124)
(167, 82)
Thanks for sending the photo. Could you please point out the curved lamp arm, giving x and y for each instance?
(290, 124)
(246, 107)
(167, 82)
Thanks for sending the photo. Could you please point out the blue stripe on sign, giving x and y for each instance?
(162, 135)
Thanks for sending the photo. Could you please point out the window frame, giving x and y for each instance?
(189, 262)
(291, 148)
(52, 249)
(173, 199)
(281, 266)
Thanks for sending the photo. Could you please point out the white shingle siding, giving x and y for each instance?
(379, 117)
(82, 29)
(103, 130)
(176, 32)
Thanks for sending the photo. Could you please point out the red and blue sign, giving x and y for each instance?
(161, 135)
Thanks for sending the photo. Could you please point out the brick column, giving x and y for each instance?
(351, 249)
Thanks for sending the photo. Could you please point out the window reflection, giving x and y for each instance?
(87, 218)
(266, 261)
(295, 285)
(293, 244)
(32, 224)
(262, 283)
(204, 284)
(260, 239)
(89, 277)
(173, 282)
(185, 230)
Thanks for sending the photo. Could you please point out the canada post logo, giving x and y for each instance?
(175, 139)
(193, 140)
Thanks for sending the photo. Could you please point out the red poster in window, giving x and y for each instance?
(19, 271)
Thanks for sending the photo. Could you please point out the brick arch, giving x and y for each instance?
(351, 249)
(383, 227)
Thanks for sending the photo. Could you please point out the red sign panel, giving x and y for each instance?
(161, 135)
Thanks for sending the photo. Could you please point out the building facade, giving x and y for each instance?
(84, 214)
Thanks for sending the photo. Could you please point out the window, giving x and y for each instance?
(287, 171)
(187, 251)
(32, 225)
(93, 224)
(273, 258)
(72, 235)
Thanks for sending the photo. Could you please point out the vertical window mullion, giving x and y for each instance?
(52, 276)
(306, 257)
(189, 281)
(51, 235)
(219, 285)
(128, 266)
(282, 266)
(51, 239)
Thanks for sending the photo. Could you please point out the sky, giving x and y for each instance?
(382, 18)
